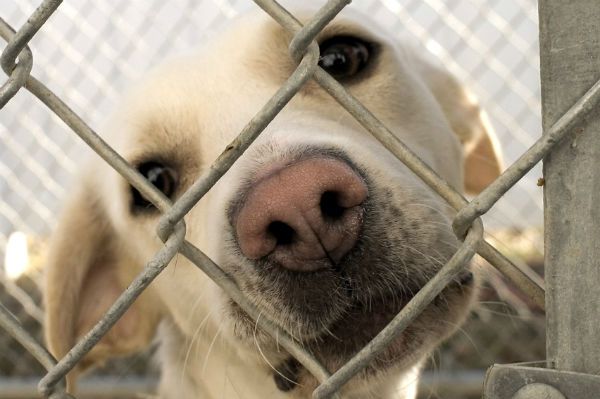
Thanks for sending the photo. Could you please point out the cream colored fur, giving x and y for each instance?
(190, 109)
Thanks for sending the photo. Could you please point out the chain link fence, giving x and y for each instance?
(88, 51)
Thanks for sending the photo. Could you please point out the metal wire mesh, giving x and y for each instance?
(513, 104)
(92, 49)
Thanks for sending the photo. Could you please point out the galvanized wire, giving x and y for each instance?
(13, 327)
(171, 230)
(491, 194)
(114, 313)
(417, 304)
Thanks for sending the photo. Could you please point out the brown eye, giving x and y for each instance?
(343, 56)
(162, 177)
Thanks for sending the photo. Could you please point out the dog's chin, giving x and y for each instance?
(333, 343)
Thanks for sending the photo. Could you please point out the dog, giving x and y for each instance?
(319, 225)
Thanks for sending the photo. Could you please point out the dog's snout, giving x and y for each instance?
(304, 216)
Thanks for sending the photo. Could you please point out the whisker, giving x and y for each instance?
(195, 335)
(256, 343)
(210, 347)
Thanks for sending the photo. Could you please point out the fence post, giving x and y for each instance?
(570, 65)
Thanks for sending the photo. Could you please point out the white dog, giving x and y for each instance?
(319, 225)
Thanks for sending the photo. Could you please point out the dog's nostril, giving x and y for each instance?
(330, 207)
(283, 233)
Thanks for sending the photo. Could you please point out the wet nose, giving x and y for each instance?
(304, 216)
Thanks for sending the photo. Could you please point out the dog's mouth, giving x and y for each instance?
(362, 321)
(336, 342)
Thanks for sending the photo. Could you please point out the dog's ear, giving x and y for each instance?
(483, 160)
(87, 270)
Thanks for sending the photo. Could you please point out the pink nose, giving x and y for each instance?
(305, 216)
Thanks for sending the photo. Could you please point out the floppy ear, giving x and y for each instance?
(87, 270)
(483, 160)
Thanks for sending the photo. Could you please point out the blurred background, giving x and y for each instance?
(90, 51)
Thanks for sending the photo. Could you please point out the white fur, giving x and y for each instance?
(193, 107)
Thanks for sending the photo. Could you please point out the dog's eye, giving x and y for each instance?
(343, 56)
(162, 177)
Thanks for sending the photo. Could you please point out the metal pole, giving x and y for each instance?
(570, 65)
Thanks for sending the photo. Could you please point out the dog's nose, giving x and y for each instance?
(305, 215)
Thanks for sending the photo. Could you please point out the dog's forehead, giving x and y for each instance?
(266, 41)
(263, 30)
(193, 106)
(219, 87)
